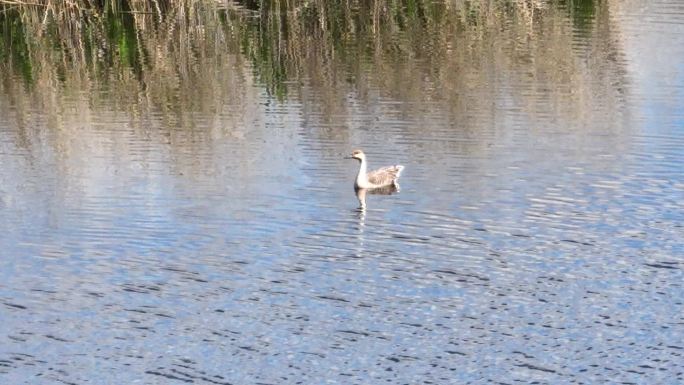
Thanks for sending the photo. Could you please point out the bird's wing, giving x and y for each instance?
(385, 176)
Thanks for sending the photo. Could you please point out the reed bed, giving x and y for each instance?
(170, 55)
(81, 35)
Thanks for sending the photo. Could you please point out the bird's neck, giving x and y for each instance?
(361, 178)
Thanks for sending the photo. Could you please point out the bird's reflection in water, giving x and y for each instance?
(361, 194)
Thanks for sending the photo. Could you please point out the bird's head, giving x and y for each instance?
(358, 154)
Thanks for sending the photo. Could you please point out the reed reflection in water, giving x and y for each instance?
(175, 210)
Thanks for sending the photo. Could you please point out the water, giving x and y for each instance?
(211, 235)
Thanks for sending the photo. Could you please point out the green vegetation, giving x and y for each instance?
(166, 49)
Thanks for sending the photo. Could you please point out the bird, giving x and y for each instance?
(382, 177)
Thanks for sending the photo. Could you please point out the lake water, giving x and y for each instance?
(197, 223)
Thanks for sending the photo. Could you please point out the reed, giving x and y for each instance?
(271, 33)
(168, 54)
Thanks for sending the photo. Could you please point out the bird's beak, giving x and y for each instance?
(348, 157)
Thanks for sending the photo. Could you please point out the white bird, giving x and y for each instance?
(382, 177)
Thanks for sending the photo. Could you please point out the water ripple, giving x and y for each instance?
(537, 236)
